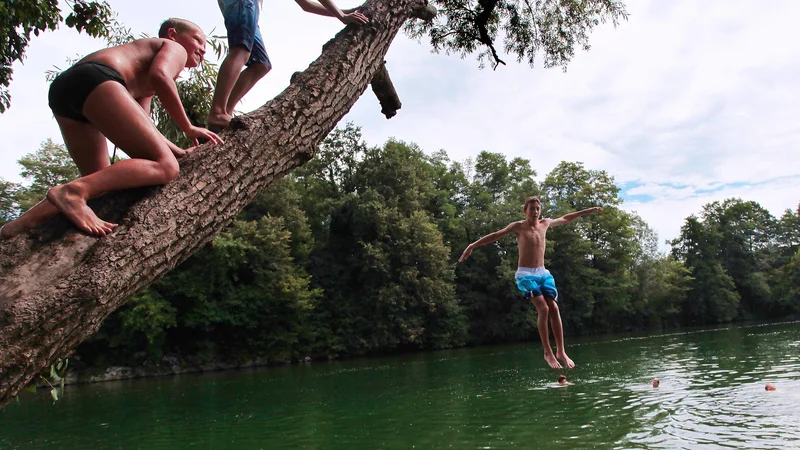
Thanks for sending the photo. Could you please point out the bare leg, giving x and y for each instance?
(86, 145)
(228, 75)
(544, 332)
(247, 79)
(29, 219)
(558, 333)
(113, 113)
(71, 198)
(89, 151)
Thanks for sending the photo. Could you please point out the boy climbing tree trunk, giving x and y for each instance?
(57, 286)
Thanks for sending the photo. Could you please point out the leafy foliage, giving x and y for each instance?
(355, 254)
(21, 18)
(553, 28)
(47, 167)
(43, 169)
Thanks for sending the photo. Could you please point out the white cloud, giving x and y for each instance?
(660, 190)
(668, 211)
(686, 101)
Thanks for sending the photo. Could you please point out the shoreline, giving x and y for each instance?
(171, 364)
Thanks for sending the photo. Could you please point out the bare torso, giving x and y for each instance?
(132, 61)
(531, 241)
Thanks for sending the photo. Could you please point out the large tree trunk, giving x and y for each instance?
(57, 285)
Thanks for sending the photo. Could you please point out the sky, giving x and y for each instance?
(684, 104)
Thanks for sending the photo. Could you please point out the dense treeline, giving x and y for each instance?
(356, 252)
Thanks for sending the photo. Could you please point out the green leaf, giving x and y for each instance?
(30, 388)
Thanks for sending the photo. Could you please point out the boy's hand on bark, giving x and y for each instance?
(194, 133)
(352, 16)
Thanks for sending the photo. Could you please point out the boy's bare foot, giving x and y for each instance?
(218, 122)
(551, 361)
(215, 124)
(72, 205)
(562, 356)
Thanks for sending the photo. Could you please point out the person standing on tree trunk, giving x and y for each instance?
(532, 278)
(246, 48)
(107, 95)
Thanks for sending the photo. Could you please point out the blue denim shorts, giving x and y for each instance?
(241, 23)
(537, 281)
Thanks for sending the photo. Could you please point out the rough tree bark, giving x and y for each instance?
(57, 285)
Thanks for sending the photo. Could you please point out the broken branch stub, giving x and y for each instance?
(381, 82)
(384, 89)
(426, 13)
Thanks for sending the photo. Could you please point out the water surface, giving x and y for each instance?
(711, 396)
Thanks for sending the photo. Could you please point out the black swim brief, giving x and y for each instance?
(69, 90)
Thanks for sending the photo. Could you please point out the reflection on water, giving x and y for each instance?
(711, 395)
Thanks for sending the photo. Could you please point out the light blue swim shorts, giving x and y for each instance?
(536, 281)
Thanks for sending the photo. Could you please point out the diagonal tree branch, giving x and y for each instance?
(57, 285)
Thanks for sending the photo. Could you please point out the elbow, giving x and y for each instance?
(158, 79)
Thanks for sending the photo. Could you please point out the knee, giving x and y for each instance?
(541, 306)
(552, 306)
(260, 70)
(170, 170)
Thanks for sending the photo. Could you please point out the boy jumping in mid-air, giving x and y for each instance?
(246, 48)
(532, 278)
(107, 95)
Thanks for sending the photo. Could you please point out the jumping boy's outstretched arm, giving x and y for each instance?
(488, 239)
(567, 218)
(328, 8)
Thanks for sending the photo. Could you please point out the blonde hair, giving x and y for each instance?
(180, 25)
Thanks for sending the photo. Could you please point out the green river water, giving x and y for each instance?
(711, 396)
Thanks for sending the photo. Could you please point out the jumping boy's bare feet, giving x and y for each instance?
(562, 356)
(72, 205)
(551, 360)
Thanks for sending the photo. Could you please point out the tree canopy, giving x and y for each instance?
(355, 253)
(19, 19)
